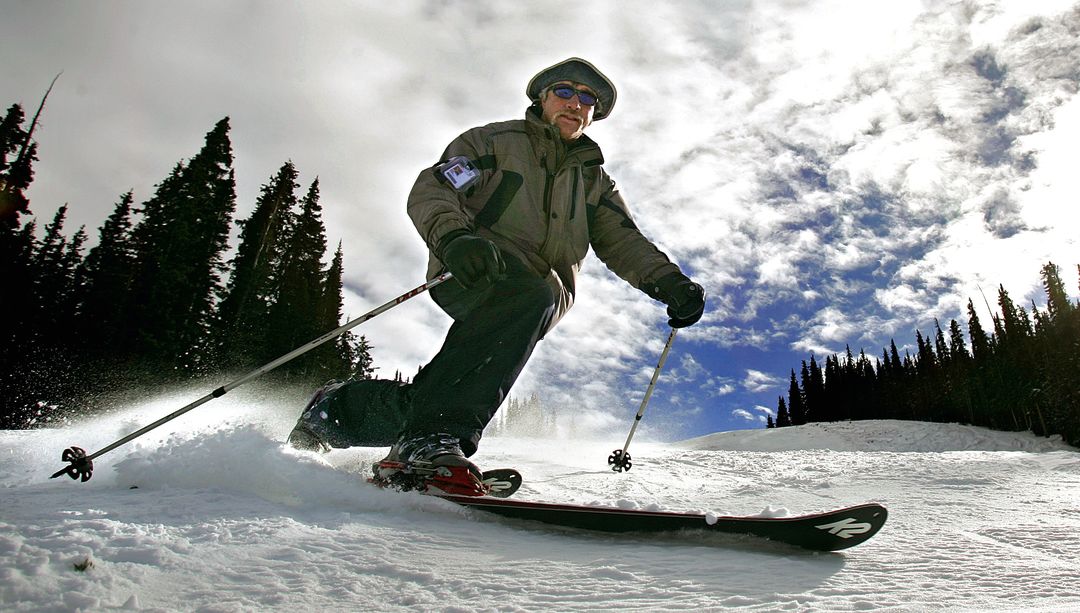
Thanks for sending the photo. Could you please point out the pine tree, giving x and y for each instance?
(796, 405)
(178, 259)
(926, 380)
(293, 315)
(957, 345)
(961, 374)
(925, 360)
(941, 346)
(107, 277)
(1058, 306)
(894, 358)
(75, 278)
(17, 174)
(351, 356)
(834, 390)
(45, 370)
(864, 407)
(54, 270)
(1012, 327)
(815, 407)
(361, 363)
(783, 417)
(16, 338)
(980, 342)
(1058, 340)
(1016, 377)
(17, 156)
(241, 319)
(336, 360)
(855, 380)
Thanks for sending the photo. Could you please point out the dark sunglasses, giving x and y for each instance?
(567, 92)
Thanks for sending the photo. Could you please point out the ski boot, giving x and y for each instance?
(435, 464)
(303, 435)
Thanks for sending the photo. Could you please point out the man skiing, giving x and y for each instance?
(511, 210)
(514, 240)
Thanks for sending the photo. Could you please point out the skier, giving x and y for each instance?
(511, 210)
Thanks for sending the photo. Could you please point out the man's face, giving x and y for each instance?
(570, 116)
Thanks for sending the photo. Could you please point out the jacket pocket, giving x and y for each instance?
(500, 199)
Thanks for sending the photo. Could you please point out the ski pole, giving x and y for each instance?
(81, 465)
(619, 460)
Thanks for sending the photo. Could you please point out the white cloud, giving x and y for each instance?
(757, 381)
(721, 389)
(758, 414)
(743, 414)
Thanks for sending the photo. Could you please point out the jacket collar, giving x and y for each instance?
(545, 139)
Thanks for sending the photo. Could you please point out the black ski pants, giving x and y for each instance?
(494, 332)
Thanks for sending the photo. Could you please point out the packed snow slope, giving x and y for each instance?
(204, 516)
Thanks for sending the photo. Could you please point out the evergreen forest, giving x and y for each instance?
(154, 301)
(1021, 374)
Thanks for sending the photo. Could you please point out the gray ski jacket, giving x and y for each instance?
(539, 199)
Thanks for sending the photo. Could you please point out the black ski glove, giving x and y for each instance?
(685, 299)
(473, 260)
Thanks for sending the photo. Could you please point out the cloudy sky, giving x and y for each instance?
(834, 172)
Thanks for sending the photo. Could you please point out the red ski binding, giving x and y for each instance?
(445, 480)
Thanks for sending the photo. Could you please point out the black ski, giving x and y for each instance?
(828, 531)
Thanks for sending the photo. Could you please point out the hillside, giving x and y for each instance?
(882, 435)
(226, 518)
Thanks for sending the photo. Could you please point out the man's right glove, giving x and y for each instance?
(685, 299)
(473, 260)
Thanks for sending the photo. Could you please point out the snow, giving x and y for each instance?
(883, 435)
(212, 516)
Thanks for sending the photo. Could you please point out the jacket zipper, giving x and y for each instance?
(549, 183)
(549, 188)
(573, 195)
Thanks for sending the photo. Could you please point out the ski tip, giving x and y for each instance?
(846, 528)
(501, 482)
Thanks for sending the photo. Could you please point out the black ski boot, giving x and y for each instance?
(303, 436)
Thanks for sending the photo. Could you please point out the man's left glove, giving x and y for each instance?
(685, 299)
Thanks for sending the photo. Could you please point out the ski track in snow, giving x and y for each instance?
(226, 518)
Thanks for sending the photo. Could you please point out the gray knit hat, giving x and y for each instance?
(579, 71)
